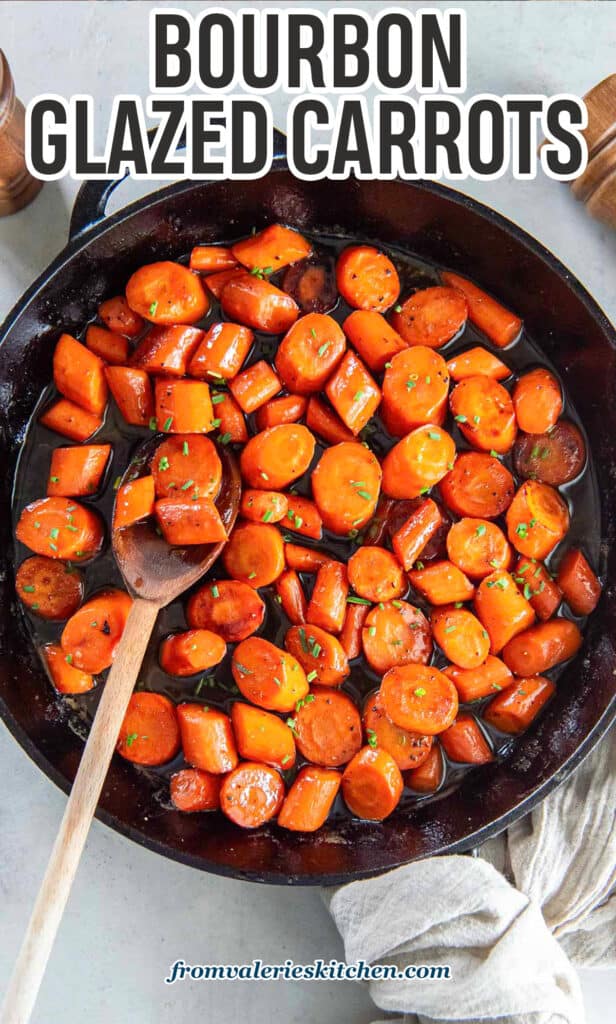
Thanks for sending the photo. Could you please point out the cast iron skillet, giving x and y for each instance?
(441, 226)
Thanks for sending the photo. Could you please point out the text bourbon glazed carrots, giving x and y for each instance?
(399, 593)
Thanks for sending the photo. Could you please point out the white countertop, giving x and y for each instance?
(132, 913)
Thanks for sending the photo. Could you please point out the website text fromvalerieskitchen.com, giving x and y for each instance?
(318, 970)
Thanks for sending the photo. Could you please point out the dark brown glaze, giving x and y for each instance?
(555, 458)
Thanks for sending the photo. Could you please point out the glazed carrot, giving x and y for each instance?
(167, 351)
(267, 676)
(396, 633)
(117, 315)
(218, 281)
(537, 401)
(419, 698)
(150, 733)
(183, 406)
(372, 784)
(401, 511)
(502, 608)
(410, 540)
(232, 609)
(255, 386)
(48, 588)
(70, 420)
(185, 654)
(65, 677)
(232, 423)
(366, 278)
(134, 501)
(276, 457)
(417, 462)
(77, 471)
(415, 390)
(477, 547)
(287, 409)
(483, 410)
(379, 526)
(79, 375)
(304, 559)
(408, 749)
(186, 465)
(312, 283)
(477, 362)
(350, 634)
(60, 528)
(373, 338)
(514, 709)
(207, 738)
(132, 391)
(354, 394)
(252, 794)
(464, 742)
(539, 648)
(261, 736)
(91, 635)
(107, 345)
(209, 258)
(327, 727)
(578, 583)
(185, 521)
(346, 485)
(441, 582)
(375, 574)
(167, 293)
(475, 683)
(194, 790)
(254, 554)
(303, 517)
(263, 506)
(292, 598)
(429, 775)
(460, 635)
(555, 457)
(321, 655)
(271, 249)
(309, 799)
(500, 325)
(309, 352)
(257, 304)
(537, 519)
(431, 316)
(538, 587)
(327, 606)
(222, 351)
(478, 486)
(323, 421)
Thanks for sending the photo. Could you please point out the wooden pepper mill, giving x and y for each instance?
(596, 187)
(17, 186)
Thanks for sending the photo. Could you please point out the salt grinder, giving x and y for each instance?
(17, 186)
(596, 187)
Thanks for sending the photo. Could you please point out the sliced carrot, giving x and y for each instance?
(323, 421)
(218, 281)
(257, 303)
(374, 573)
(537, 519)
(555, 457)
(514, 709)
(118, 316)
(222, 351)
(291, 595)
(537, 400)
(396, 633)
(92, 634)
(263, 506)
(538, 587)
(185, 522)
(261, 736)
(64, 676)
(271, 249)
(401, 511)
(275, 458)
(350, 634)
(166, 351)
(320, 654)
(254, 554)
(253, 387)
(441, 582)
(345, 485)
(327, 607)
(183, 406)
(372, 784)
(431, 316)
(408, 749)
(502, 608)
(268, 676)
(167, 293)
(150, 733)
(207, 738)
(429, 775)
(304, 559)
(366, 278)
(539, 648)
(309, 352)
(419, 698)
(312, 283)
(107, 345)
(354, 394)
(484, 412)
(197, 650)
(373, 338)
(415, 390)
(500, 325)
(475, 683)
(79, 375)
(477, 362)
(287, 409)
(379, 526)
(48, 588)
(327, 727)
(209, 258)
(310, 799)
(252, 794)
(192, 789)
(478, 485)
(60, 528)
(187, 463)
(417, 462)
(303, 517)
(70, 420)
(134, 501)
(232, 422)
(478, 547)
(132, 391)
(77, 472)
(460, 635)
(410, 540)
(227, 607)
(464, 742)
(578, 583)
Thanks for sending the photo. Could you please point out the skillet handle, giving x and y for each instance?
(91, 201)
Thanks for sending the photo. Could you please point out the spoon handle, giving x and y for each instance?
(64, 860)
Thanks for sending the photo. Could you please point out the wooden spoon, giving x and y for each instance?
(155, 574)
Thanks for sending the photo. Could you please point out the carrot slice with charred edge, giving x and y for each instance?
(263, 506)
(431, 316)
(218, 282)
(60, 528)
(192, 789)
(500, 325)
(366, 278)
(475, 683)
(167, 351)
(197, 650)
(399, 514)
(65, 678)
(327, 727)
(350, 634)
(324, 422)
(232, 609)
(183, 406)
(79, 375)
(410, 540)
(185, 522)
(375, 574)
(92, 634)
(107, 345)
(478, 485)
(537, 519)
(77, 472)
(304, 559)
(484, 412)
(70, 420)
(118, 316)
(271, 249)
(408, 749)
(132, 391)
(372, 784)
(553, 458)
(261, 736)
(419, 698)
(321, 655)
(327, 607)
(477, 362)
(167, 293)
(207, 738)
(232, 423)
(288, 409)
(186, 463)
(309, 352)
(48, 588)
(578, 583)
(312, 283)
(354, 394)
(252, 794)
(276, 457)
(460, 635)
(345, 485)
(538, 587)
(291, 595)
(429, 775)
(465, 743)
(303, 517)
(514, 709)
(150, 733)
(417, 462)
(537, 400)
(268, 676)
(441, 583)
(222, 351)
(373, 338)
(255, 386)
(309, 799)
(502, 608)
(415, 390)
(539, 648)
(257, 304)
(206, 259)
(134, 501)
(396, 633)
(254, 554)
(478, 547)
